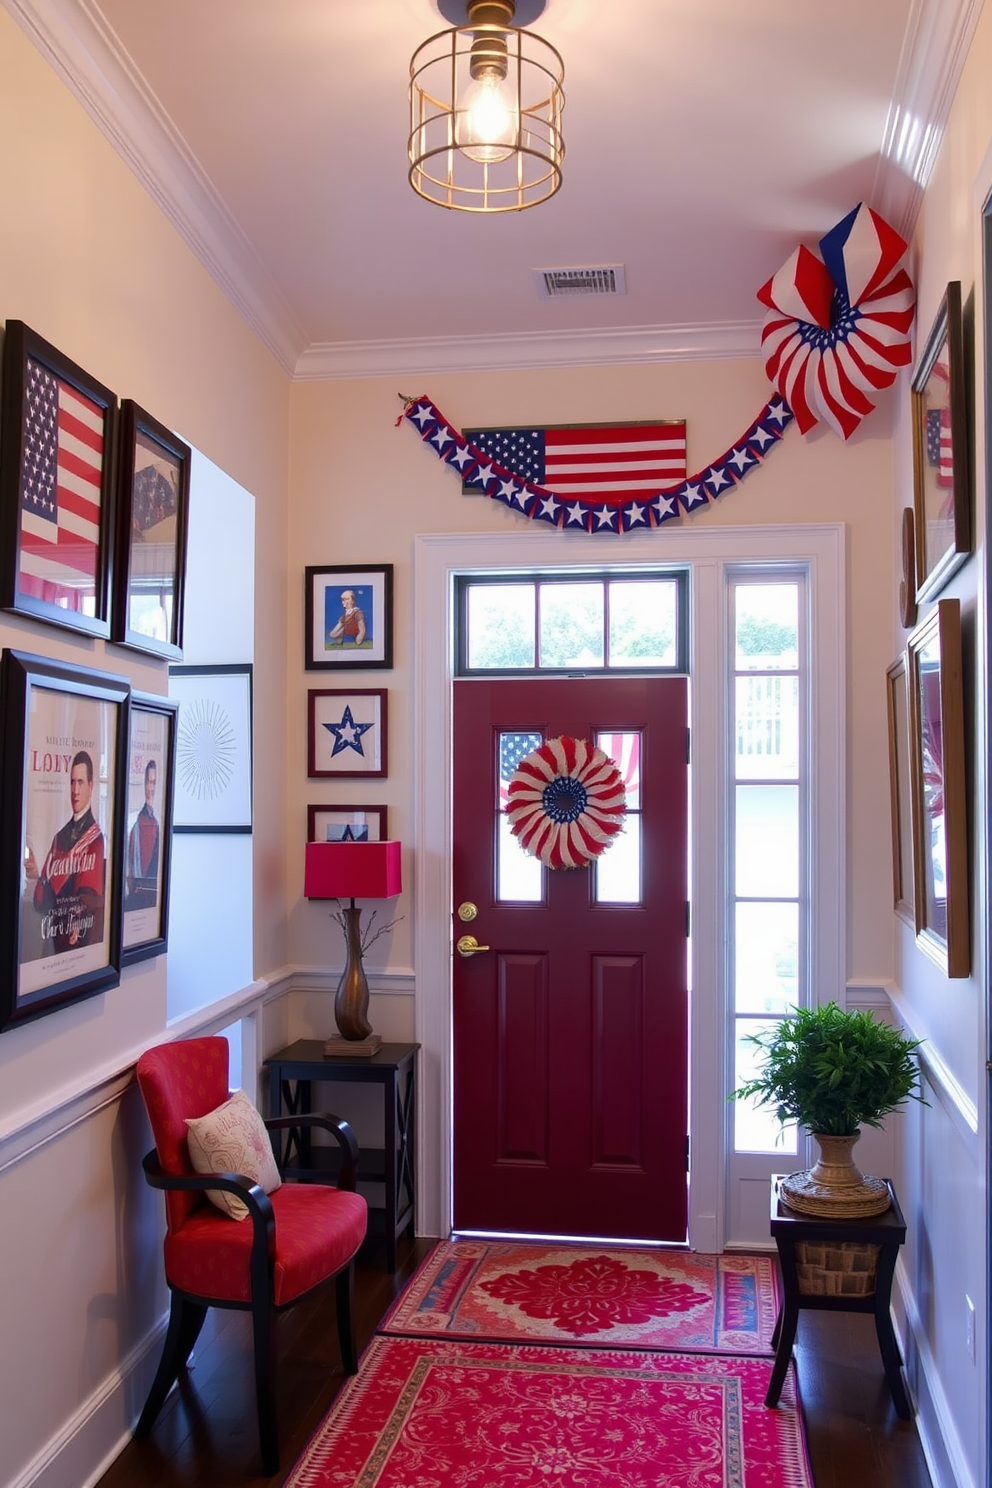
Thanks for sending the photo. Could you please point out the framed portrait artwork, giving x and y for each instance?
(61, 805)
(151, 756)
(937, 764)
(213, 777)
(941, 462)
(152, 526)
(899, 790)
(346, 733)
(58, 457)
(346, 824)
(348, 618)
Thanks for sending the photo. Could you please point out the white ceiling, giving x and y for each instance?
(704, 140)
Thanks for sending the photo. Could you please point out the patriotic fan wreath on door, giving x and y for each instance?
(836, 333)
(567, 802)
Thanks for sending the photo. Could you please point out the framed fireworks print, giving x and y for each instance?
(61, 805)
(213, 748)
(346, 824)
(151, 755)
(899, 790)
(348, 618)
(57, 479)
(346, 733)
(937, 783)
(941, 462)
(152, 524)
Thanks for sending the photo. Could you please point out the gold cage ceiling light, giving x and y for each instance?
(486, 102)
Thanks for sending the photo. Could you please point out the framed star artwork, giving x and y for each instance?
(346, 733)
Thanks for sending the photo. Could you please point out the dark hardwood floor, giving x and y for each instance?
(206, 1433)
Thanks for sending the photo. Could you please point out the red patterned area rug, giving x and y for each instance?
(444, 1413)
(612, 1297)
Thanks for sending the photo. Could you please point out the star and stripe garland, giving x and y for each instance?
(566, 802)
(574, 515)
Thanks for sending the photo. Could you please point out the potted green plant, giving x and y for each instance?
(834, 1072)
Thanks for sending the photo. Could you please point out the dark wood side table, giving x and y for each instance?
(837, 1265)
(292, 1074)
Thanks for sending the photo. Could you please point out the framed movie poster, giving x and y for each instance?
(346, 732)
(348, 618)
(61, 805)
(213, 779)
(57, 480)
(152, 525)
(151, 753)
(346, 824)
(941, 463)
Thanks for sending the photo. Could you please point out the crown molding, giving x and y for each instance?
(934, 50)
(512, 353)
(74, 38)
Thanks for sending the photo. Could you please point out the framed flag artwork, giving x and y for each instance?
(941, 465)
(348, 618)
(152, 524)
(61, 819)
(346, 733)
(57, 484)
(151, 757)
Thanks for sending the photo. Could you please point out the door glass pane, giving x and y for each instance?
(756, 1128)
(625, 752)
(767, 832)
(618, 871)
(501, 625)
(767, 728)
(572, 625)
(767, 626)
(518, 873)
(766, 949)
(643, 623)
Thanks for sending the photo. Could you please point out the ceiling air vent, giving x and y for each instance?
(605, 279)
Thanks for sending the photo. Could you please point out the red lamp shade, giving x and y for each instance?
(352, 870)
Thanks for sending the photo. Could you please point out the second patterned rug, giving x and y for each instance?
(609, 1296)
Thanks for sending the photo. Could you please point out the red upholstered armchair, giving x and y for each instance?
(291, 1241)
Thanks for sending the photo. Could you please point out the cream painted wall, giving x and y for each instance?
(362, 489)
(88, 261)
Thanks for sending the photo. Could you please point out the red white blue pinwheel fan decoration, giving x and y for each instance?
(566, 802)
(838, 326)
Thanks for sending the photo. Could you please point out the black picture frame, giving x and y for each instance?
(900, 792)
(346, 733)
(344, 822)
(941, 459)
(60, 856)
(213, 774)
(58, 460)
(150, 786)
(338, 637)
(152, 534)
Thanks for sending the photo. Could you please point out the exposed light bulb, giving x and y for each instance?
(486, 125)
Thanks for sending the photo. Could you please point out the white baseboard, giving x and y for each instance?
(935, 1426)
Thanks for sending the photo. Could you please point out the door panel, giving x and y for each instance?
(570, 1032)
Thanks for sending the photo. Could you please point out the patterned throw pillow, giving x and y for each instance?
(233, 1139)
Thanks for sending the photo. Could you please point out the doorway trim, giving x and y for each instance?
(708, 551)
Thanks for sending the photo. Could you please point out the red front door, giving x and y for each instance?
(570, 1030)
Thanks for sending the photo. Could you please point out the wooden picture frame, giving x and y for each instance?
(58, 457)
(937, 760)
(346, 733)
(151, 769)
(61, 817)
(346, 824)
(348, 617)
(903, 895)
(213, 775)
(152, 533)
(941, 460)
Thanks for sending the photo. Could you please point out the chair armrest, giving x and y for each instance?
(338, 1128)
(252, 1195)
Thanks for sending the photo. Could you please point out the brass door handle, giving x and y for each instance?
(467, 945)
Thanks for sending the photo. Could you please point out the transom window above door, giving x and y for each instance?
(568, 623)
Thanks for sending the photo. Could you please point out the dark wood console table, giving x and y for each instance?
(837, 1265)
(292, 1074)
